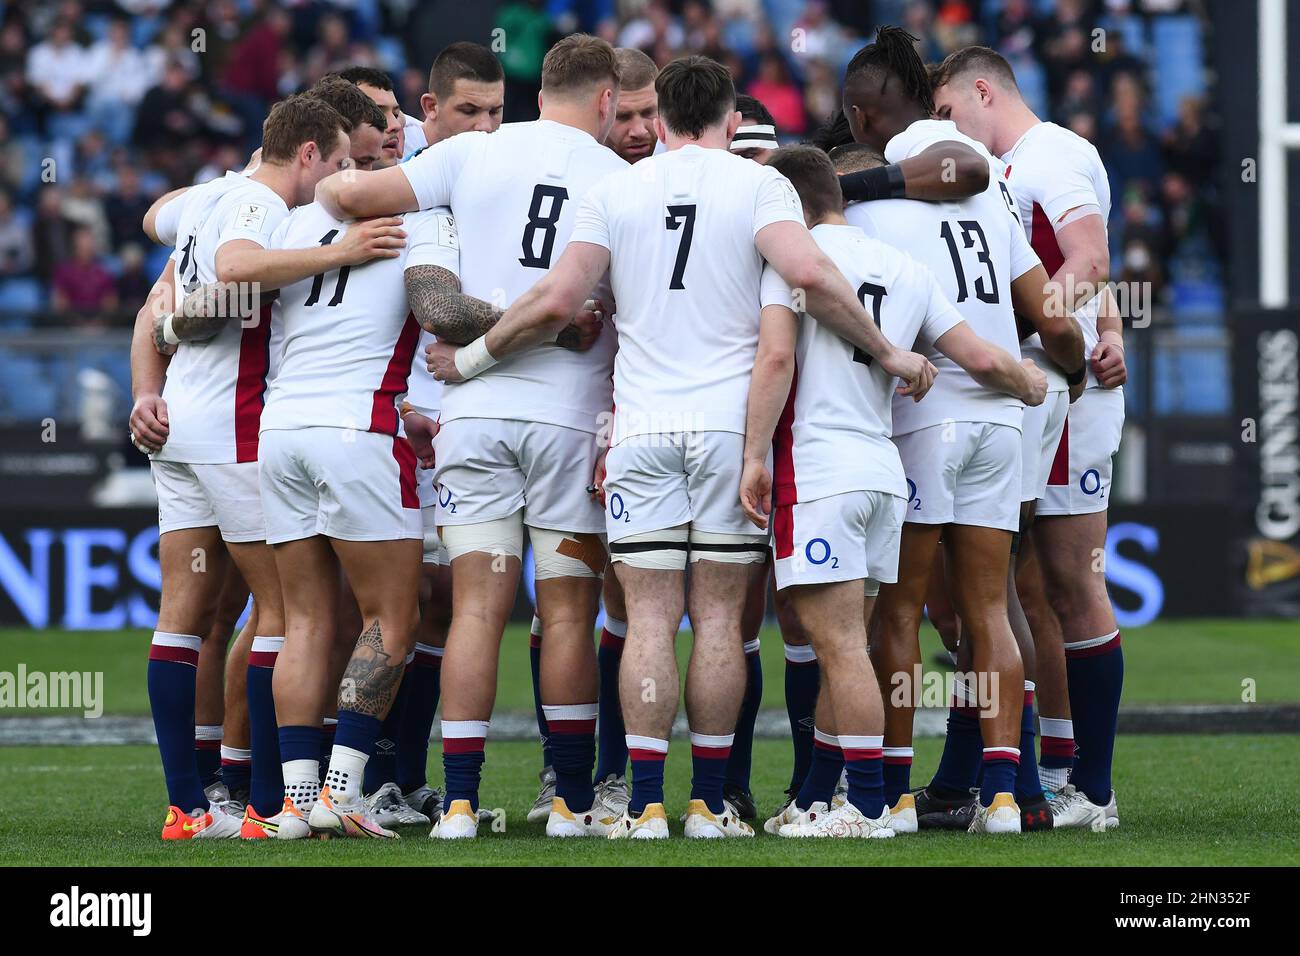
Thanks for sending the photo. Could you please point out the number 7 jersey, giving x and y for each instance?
(680, 231)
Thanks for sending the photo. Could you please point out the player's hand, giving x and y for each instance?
(1037, 392)
(915, 370)
(597, 489)
(380, 238)
(1108, 365)
(756, 492)
(420, 432)
(149, 425)
(581, 334)
(254, 161)
(442, 362)
(160, 343)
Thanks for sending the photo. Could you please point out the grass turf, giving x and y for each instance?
(1187, 661)
(1191, 801)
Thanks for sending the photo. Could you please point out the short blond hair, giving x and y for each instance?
(578, 62)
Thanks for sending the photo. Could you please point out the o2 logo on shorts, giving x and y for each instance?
(1090, 483)
(444, 500)
(912, 495)
(616, 509)
(818, 552)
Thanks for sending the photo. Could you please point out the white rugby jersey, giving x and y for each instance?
(424, 392)
(349, 336)
(215, 389)
(1052, 170)
(833, 435)
(515, 194)
(975, 248)
(685, 272)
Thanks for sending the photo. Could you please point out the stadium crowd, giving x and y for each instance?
(105, 104)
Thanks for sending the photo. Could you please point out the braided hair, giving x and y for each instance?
(894, 54)
(834, 132)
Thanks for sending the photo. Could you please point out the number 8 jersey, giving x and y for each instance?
(514, 194)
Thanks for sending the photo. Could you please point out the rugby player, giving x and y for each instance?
(1064, 203)
(840, 491)
(960, 451)
(467, 90)
(687, 338)
(206, 472)
(510, 442)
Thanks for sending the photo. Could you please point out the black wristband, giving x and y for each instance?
(882, 182)
(1074, 378)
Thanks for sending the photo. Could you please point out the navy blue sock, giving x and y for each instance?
(381, 768)
(647, 756)
(802, 678)
(999, 773)
(329, 726)
(824, 774)
(357, 731)
(963, 751)
(207, 754)
(573, 744)
(298, 743)
(1095, 671)
(864, 760)
(611, 742)
(709, 753)
(535, 662)
(742, 751)
(463, 743)
(266, 786)
(898, 773)
(1027, 783)
(237, 770)
(173, 666)
(425, 679)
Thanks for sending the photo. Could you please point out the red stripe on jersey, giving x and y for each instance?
(784, 491)
(404, 455)
(383, 410)
(250, 384)
(1006, 173)
(1043, 239)
(1060, 473)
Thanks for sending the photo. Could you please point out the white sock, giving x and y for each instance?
(1053, 778)
(347, 768)
(301, 782)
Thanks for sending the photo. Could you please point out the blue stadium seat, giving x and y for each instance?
(27, 393)
(20, 297)
(1177, 44)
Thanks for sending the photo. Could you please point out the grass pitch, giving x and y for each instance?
(1189, 801)
(1202, 662)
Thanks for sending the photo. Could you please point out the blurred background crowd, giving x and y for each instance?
(105, 105)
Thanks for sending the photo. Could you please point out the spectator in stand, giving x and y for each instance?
(1131, 153)
(1064, 43)
(775, 90)
(1015, 30)
(821, 98)
(125, 206)
(530, 35)
(165, 119)
(133, 281)
(16, 257)
(56, 79)
(819, 36)
(121, 75)
(1190, 147)
(51, 232)
(83, 290)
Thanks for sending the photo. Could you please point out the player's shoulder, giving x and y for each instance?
(1049, 146)
(250, 192)
(924, 133)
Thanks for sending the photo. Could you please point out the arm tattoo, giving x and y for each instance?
(440, 307)
(370, 683)
(203, 314)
